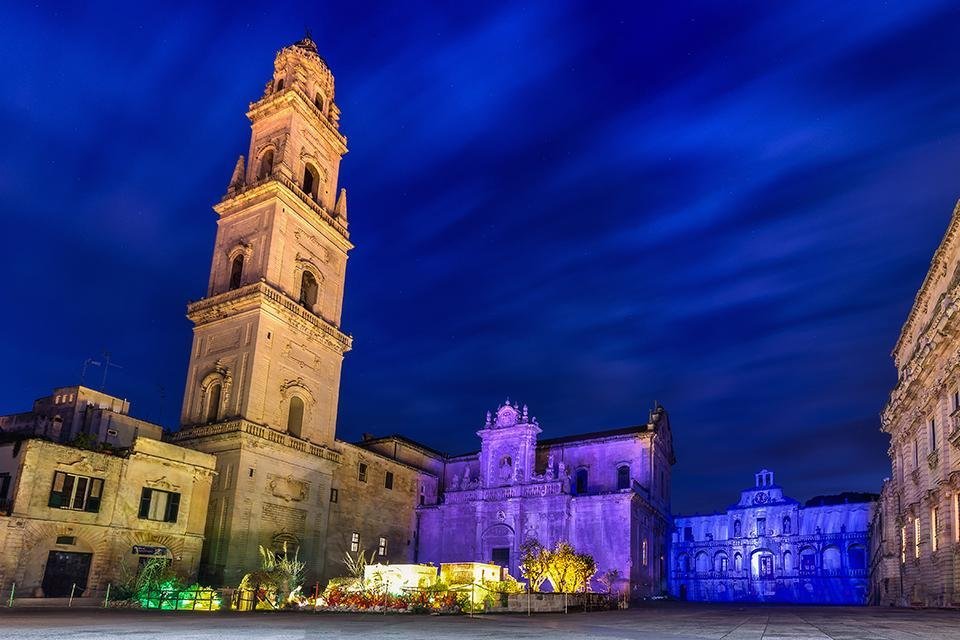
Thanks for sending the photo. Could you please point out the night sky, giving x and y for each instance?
(589, 208)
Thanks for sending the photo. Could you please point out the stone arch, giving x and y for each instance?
(296, 389)
(265, 162)
(311, 183)
(831, 558)
(213, 396)
(808, 559)
(761, 563)
(40, 538)
(683, 563)
(787, 562)
(309, 299)
(857, 557)
(702, 562)
(623, 475)
(738, 561)
(720, 562)
(498, 544)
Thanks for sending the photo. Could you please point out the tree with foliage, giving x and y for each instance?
(608, 580)
(569, 571)
(534, 561)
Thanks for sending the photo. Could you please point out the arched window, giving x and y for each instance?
(279, 85)
(831, 558)
(318, 101)
(736, 528)
(720, 562)
(623, 477)
(213, 402)
(702, 562)
(236, 272)
(581, 481)
(857, 557)
(295, 417)
(737, 562)
(308, 290)
(311, 181)
(787, 562)
(266, 165)
(786, 524)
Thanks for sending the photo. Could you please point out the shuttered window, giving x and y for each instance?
(79, 493)
(162, 506)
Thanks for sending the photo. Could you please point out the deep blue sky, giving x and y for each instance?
(588, 207)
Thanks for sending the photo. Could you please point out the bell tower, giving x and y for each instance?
(267, 343)
(264, 376)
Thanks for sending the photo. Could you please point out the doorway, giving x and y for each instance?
(501, 556)
(65, 569)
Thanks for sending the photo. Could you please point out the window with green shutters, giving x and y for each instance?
(79, 493)
(162, 506)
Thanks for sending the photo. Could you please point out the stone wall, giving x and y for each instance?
(33, 529)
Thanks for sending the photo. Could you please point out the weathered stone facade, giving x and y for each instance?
(770, 548)
(607, 493)
(71, 412)
(77, 516)
(264, 375)
(918, 530)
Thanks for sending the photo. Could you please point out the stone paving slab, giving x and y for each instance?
(666, 620)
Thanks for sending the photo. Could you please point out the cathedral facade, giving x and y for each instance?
(607, 493)
(770, 548)
(917, 531)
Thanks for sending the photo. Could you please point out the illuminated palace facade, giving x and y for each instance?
(917, 530)
(770, 548)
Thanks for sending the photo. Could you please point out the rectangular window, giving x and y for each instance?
(934, 525)
(916, 454)
(388, 480)
(382, 547)
(362, 472)
(688, 534)
(162, 506)
(643, 552)
(956, 517)
(354, 542)
(916, 537)
(79, 493)
(4, 486)
(903, 544)
(334, 495)
(761, 526)
(956, 399)
(933, 436)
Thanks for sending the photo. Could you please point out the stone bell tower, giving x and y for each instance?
(264, 376)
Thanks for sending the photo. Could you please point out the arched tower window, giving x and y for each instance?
(786, 524)
(236, 272)
(279, 85)
(295, 417)
(581, 481)
(318, 101)
(213, 402)
(623, 477)
(308, 290)
(266, 165)
(311, 181)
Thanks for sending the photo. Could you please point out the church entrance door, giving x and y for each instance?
(501, 556)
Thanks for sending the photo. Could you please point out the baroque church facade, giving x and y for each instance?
(770, 548)
(916, 540)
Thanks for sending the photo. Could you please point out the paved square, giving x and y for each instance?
(660, 620)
